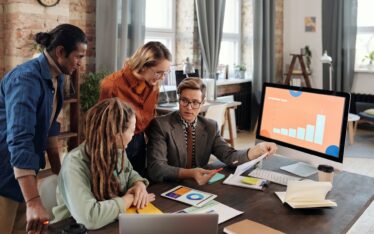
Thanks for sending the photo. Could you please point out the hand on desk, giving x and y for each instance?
(202, 176)
(140, 195)
(261, 148)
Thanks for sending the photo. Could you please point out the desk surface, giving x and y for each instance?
(352, 192)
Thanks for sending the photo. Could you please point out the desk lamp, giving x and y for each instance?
(328, 60)
(188, 67)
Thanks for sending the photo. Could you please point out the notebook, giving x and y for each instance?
(247, 226)
(306, 194)
(168, 223)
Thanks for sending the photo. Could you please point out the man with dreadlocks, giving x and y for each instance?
(97, 181)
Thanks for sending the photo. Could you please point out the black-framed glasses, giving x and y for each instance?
(160, 74)
(185, 102)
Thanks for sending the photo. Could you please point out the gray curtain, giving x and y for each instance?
(339, 29)
(118, 32)
(210, 15)
(263, 51)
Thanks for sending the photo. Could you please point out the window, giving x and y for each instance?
(365, 31)
(160, 22)
(230, 53)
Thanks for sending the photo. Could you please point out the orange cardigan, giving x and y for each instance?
(136, 92)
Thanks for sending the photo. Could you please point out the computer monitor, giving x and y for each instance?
(180, 75)
(307, 124)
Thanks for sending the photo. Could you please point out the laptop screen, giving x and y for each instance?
(168, 223)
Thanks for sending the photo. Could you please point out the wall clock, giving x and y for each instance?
(49, 3)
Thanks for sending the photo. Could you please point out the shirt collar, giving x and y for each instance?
(186, 124)
(55, 70)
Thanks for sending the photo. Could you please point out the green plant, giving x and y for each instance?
(369, 57)
(308, 57)
(241, 67)
(90, 89)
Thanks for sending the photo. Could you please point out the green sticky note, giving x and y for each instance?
(249, 180)
(216, 177)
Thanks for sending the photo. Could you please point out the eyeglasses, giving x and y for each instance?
(185, 102)
(160, 74)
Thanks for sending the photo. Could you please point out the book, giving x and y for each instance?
(247, 226)
(306, 194)
(241, 181)
(189, 196)
(224, 212)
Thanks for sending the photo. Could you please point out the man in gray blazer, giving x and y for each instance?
(180, 143)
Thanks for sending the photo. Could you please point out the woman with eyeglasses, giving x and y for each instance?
(180, 143)
(137, 83)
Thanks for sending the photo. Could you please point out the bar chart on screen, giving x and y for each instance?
(310, 133)
(302, 119)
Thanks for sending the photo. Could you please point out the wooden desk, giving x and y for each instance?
(352, 192)
(161, 110)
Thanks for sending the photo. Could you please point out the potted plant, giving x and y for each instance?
(370, 57)
(308, 58)
(90, 89)
(240, 71)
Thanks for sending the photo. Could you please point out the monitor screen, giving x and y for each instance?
(309, 120)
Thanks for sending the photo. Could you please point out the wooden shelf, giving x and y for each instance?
(71, 100)
(68, 134)
(44, 173)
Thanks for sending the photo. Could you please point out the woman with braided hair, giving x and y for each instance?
(97, 181)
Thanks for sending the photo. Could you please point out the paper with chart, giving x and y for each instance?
(224, 212)
(248, 165)
(189, 196)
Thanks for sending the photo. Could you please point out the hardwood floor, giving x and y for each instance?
(362, 166)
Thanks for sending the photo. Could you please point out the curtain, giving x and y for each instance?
(263, 51)
(210, 15)
(118, 32)
(339, 29)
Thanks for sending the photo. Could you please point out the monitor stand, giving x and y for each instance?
(300, 169)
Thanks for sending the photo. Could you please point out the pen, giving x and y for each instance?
(218, 170)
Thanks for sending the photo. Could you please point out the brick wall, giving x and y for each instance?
(20, 20)
(279, 41)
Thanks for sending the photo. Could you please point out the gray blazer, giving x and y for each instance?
(167, 150)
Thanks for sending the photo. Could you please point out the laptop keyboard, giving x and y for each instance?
(272, 176)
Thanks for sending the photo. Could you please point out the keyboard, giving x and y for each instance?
(272, 176)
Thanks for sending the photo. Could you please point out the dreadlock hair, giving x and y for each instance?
(103, 122)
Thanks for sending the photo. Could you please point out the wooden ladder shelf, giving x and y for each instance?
(303, 73)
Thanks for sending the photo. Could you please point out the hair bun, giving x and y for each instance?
(43, 39)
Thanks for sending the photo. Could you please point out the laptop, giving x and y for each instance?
(170, 223)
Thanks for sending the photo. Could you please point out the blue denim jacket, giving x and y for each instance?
(26, 102)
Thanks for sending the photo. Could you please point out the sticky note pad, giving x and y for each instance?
(149, 209)
(131, 210)
(250, 180)
(216, 177)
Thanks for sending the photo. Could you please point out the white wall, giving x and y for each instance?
(295, 36)
(363, 82)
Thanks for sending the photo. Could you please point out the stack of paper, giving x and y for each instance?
(238, 181)
(306, 194)
(224, 212)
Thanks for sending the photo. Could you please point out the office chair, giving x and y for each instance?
(47, 191)
(217, 113)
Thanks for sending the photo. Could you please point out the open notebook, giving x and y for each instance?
(306, 194)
